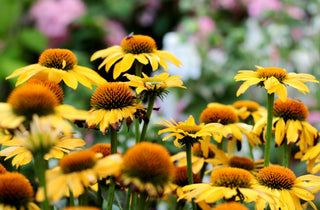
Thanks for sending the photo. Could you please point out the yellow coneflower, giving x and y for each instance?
(229, 184)
(59, 65)
(274, 80)
(231, 128)
(146, 167)
(139, 48)
(16, 192)
(312, 156)
(36, 99)
(42, 138)
(156, 85)
(290, 124)
(186, 132)
(230, 205)
(223, 160)
(181, 179)
(248, 110)
(112, 103)
(77, 171)
(289, 189)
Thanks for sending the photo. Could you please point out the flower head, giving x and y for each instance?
(2, 169)
(77, 171)
(228, 183)
(146, 167)
(290, 124)
(274, 80)
(181, 179)
(36, 99)
(59, 65)
(156, 85)
(16, 192)
(186, 132)
(284, 184)
(141, 48)
(42, 138)
(231, 128)
(249, 110)
(111, 103)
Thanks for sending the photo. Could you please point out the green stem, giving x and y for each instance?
(286, 155)
(142, 204)
(83, 199)
(129, 195)
(189, 169)
(112, 185)
(151, 100)
(71, 198)
(138, 67)
(250, 151)
(269, 129)
(220, 145)
(137, 129)
(134, 200)
(203, 169)
(40, 166)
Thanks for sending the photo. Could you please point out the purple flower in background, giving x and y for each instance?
(206, 25)
(52, 17)
(115, 32)
(256, 7)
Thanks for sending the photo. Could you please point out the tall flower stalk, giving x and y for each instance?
(112, 185)
(267, 148)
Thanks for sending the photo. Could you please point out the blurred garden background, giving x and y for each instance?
(213, 39)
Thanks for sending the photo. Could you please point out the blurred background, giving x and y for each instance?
(213, 38)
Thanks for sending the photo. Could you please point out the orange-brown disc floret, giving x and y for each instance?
(54, 87)
(230, 206)
(27, 100)
(276, 177)
(231, 178)
(137, 44)
(15, 190)
(112, 95)
(61, 59)
(241, 162)
(148, 162)
(290, 109)
(276, 72)
(78, 161)
(220, 114)
(197, 151)
(181, 177)
(104, 149)
(2, 169)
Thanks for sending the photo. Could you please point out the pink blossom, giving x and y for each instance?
(206, 25)
(52, 17)
(256, 7)
(296, 33)
(314, 117)
(295, 12)
(115, 32)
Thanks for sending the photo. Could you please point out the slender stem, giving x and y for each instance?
(134, 200)
(71, 198)
(203, 169)
(286, 155)
(220, 145)
(83, 199)
(137, 129)
(250, 151)
(40, 166)
(189, 168)
(142, 204)
(129, 195)
(112, 185)
(269, 129)
(151, 100)
(138, 67)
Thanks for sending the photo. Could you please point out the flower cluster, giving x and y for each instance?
(209, 168)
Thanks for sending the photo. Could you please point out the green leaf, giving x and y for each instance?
(33, 40)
